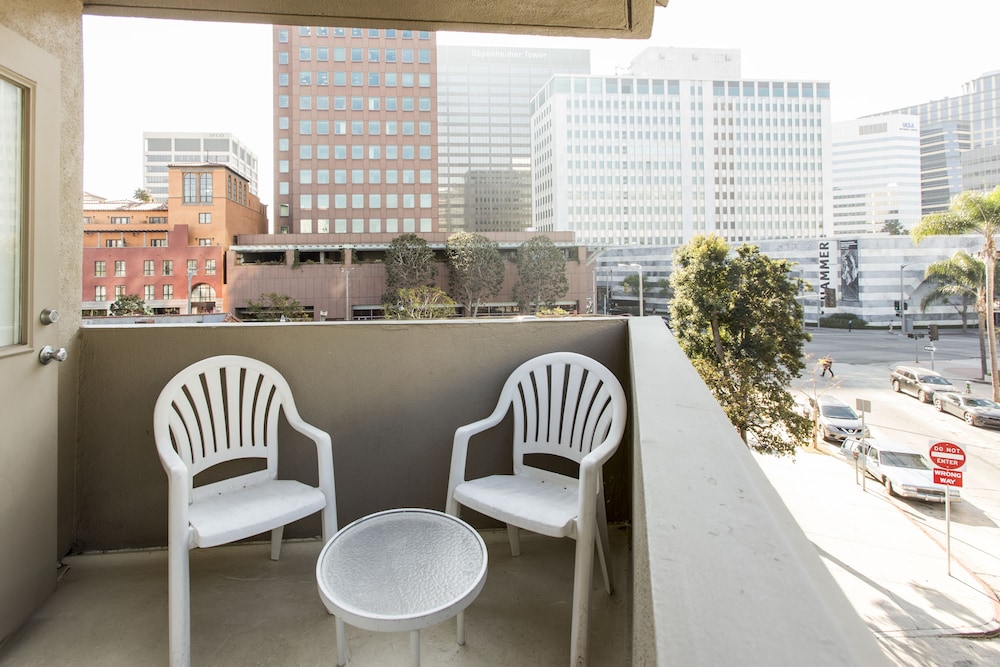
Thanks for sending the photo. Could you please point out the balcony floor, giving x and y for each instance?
(111, 609)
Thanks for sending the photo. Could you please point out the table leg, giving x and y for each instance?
(415, 648)
(341, 643)
(461, 628)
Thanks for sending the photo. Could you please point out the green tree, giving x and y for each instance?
(737, 319)
(130, 304)
(894, 228)
(972, 213)
(141, 194)
(273, 307)
(475, 269)
(419, 303)
(409, 263)
(541, 274)
(958, 282)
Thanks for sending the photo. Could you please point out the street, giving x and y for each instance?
(862, 363)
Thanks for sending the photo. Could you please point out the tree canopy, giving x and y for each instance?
(129, 304)
(475, 269)
(420, 303)
(737, 318)
(141, 194)
(272, 307)
(972, 212)
(409, 263)
(541, 269)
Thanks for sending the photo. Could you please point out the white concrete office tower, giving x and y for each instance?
(876, 174)
(657, 158)
(484, 139)
(160, 149)
(979, 105)
(981, 168)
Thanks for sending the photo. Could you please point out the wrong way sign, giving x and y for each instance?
(948, 477)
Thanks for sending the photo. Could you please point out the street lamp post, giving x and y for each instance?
(902, 304)
(638, 268)
(347, 291)
(191, 273)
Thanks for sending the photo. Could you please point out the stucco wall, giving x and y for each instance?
(390, 395)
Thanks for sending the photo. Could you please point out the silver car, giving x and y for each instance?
(837, 420)
(920, 382)
(975, 411)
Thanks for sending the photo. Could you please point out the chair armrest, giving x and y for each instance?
(324, 465)
(460, 450)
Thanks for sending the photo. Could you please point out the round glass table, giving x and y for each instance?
(401, 570)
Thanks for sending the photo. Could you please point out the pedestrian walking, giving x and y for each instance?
(827, 364)
(850, 325)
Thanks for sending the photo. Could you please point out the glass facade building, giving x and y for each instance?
(484, 124)
(876, 174)
(659, 158)
(161, 149)
(355, 130)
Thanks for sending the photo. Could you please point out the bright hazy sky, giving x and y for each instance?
(145, 75)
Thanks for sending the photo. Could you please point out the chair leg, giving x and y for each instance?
(604, 545)
(515, 539)
(582, 574)
(179, 603)
(276, 542)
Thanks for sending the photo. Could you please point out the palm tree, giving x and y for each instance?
(972, 213)
(962, 277)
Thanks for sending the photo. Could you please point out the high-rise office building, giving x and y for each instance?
(942, 144)
(685, 147)
(979, 105)
(160, 149)
(484, 122)
(981, 168)
(355, 130)
(876, 174)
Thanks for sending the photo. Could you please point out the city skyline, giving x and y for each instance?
(897, 58)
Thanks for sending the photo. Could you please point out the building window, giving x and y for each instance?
(148, 267)
(119, 291)
(119, 220)
(204, 218)
(114, 243)
(190, 188)
(168, 267)
(158, 243)
(209, 267)
(192, 266)
(204, 241)
(100, 269)
(168, 291)
(206, 188)
(100, 293)
(148, 292)
(119, 268)
(158, 220)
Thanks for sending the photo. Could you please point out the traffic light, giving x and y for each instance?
(933, 332)
(895, 306)
(830, 297)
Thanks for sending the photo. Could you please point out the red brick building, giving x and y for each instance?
(171, 255)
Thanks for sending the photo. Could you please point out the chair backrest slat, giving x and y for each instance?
(564, 404)
(221, 409)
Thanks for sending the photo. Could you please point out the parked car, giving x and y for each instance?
(901, 469)
(919, 382)
(837, 420)
(975, 411)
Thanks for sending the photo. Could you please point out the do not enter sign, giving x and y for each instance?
(947, 455)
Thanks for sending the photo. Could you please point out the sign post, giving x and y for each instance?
(950, 461)
(863, 406)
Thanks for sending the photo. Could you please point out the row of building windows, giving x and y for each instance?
(361, 225)
(149, 292)
(374, 176)
(372, 79)
(357, 103)
(357, 54)
(374, 201)
(371, 33)
(149, 267)
(392, 128)
(374, 151)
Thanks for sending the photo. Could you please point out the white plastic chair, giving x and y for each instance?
(567, 405)
(216, 411)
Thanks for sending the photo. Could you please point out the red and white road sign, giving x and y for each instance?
(947, 455)
(948, 477)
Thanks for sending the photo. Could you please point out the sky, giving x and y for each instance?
(154, 76)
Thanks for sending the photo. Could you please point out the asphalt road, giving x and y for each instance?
(863, 360)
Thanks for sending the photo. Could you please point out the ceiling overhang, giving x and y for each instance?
(621, 19)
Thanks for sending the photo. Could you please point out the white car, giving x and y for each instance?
(837, 420)
(903, 470)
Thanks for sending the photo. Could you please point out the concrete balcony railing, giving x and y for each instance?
(713, 569)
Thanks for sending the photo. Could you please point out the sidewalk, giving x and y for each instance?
(893, 572)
